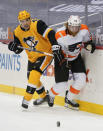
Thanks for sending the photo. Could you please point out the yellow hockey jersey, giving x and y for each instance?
(36, 37)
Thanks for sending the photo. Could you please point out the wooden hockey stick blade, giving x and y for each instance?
(30, 49)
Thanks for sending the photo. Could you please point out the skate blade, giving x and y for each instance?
(71, 107)
(43, 103)
(24, 109)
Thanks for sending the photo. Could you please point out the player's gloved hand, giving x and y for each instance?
(14, 47)
(90, 46)
(57, 52)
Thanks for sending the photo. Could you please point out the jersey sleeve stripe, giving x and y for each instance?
(46, 31)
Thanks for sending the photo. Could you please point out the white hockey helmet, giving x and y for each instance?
(74, 20)
(74, 24)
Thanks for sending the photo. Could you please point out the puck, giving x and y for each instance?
(58, 123)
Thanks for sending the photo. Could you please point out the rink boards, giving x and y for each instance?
(13, 78)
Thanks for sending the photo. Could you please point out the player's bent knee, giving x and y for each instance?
(80, 81)
(34, 77)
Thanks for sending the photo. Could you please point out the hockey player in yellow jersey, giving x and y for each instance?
(34, 34)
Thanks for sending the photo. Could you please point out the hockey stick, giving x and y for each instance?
(34, 50)
(31, 49)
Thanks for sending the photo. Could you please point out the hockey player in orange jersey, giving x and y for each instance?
(33, 34)
(71, 37)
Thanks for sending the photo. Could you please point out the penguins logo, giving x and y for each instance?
(30, 41)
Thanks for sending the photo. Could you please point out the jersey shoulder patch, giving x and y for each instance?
(84, 27)
(60, 33)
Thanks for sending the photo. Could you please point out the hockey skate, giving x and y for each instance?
(71, 103)
(50, 100)
(25, 104)
(40, 101)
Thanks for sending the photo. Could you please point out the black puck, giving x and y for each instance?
(58, 123)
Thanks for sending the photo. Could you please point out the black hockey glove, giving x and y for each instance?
(14, 47)
(57, 52)
(90, 46)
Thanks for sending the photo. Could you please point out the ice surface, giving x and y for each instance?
(44, 118)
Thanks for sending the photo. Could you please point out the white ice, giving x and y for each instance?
(44, 118)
